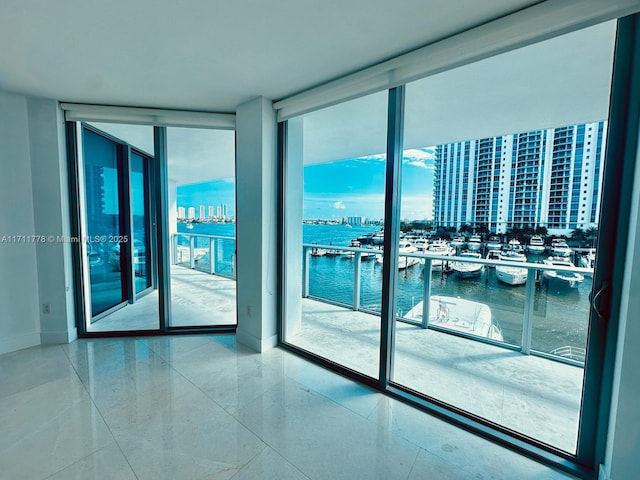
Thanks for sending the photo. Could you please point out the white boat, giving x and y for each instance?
(474, 243)
(588, 260)
(421, 244)
(493, 243)
(459, 315)
(318, 252)
(536, 245)
(510, 274)
(442, 248)
(364, 255)
(514, 245)
(493, 255)
(468, 269)
(559, 248)
(562, 278)
(404, 262)
(458, 241)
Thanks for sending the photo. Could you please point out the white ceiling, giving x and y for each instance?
(212, 55)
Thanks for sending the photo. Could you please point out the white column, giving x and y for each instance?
(51, 215)
(19, 301)
(256, 227)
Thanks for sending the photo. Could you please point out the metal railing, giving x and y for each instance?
(192, 254)
(534, 271)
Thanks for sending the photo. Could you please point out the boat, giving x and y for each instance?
(468, 269)
(559, 248)
(318, 252)
(442, 248)
(189, 226)
(559, 277)
(588, 260)
(493, 255)
(510, 274)
(514, 245)
(459, 315)
(364, 255)
(404, 262)
(536, 245)
(493, 243)
(474, 243)
(458, 241)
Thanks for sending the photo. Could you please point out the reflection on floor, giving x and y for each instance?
(532, 395)
(197, 299)
(195, 407)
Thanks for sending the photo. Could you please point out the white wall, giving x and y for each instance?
(51, 216)
(19, 301)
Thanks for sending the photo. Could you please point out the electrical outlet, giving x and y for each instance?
(46, 308)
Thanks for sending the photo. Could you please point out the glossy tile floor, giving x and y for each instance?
(202, 407)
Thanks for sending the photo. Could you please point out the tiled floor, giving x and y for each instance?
(201, 407)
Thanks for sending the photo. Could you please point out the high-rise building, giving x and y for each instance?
(545, 178)
(201, 212)
(211, 211)
(191, 213)
(181, 212)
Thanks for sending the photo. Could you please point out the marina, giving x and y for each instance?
(559, 315)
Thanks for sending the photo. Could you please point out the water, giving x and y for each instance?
(560, 318)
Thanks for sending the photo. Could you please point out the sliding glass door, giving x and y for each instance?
(115, 201)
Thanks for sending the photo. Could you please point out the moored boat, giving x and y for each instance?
(459, 315)
(493, 243)
(509, 274)
(559, 248)
(536, 245)
(562, 278)
(468, 269)
(474, 243)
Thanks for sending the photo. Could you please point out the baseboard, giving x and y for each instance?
(18, 342)
(58, 337)
(255, 343)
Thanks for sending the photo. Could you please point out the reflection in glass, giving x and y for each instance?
(103, 227)
(141, 255)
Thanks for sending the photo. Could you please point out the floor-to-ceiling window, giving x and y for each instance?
(515, 145)
(335, 207)
(202, 228)
(494, 235)
(122, 210)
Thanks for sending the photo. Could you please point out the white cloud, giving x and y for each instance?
(339, 205)
(420, 157)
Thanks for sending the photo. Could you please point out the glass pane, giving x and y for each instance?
(140, 223)
(333, 231)
(502, 178)
(126, 253)
(201, 170)
(104, 229)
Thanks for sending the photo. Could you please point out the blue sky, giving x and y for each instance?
(345, 188)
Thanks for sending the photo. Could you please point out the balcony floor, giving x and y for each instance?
(526, 393)
(197, 299)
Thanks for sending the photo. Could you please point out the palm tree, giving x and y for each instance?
(578, 236)
(591, 235)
